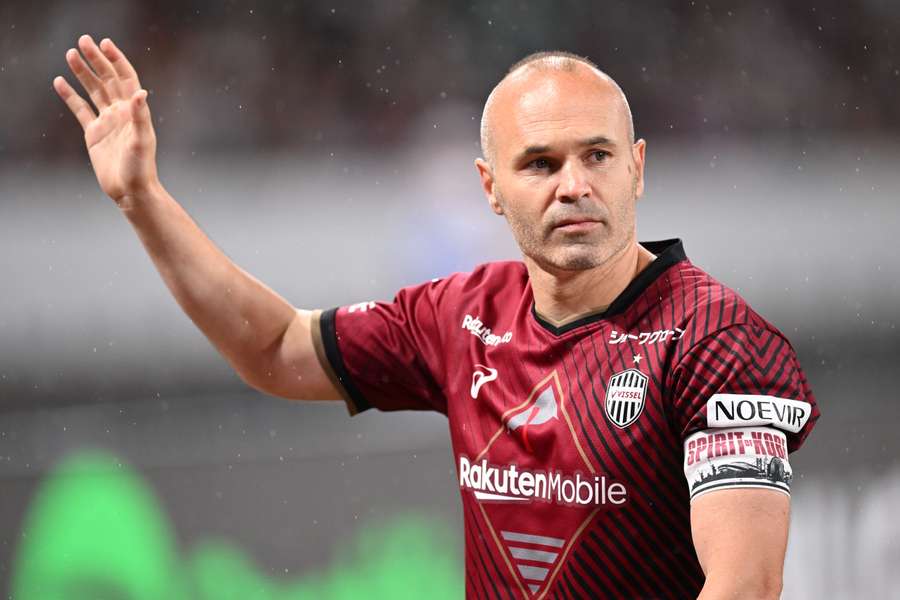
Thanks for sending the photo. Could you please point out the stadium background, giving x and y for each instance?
(327, 147)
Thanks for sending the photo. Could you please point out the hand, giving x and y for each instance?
(119, 138)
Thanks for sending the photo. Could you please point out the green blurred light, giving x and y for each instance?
(95, 530)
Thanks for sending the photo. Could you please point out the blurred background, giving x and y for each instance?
(327, 147)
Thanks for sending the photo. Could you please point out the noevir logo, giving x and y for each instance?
(487, 337)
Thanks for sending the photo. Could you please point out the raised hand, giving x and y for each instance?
(119, 135)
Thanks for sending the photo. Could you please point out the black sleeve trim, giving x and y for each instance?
(356, 402)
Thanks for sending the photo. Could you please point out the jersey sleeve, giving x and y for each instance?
(741, 404)
(385, 355)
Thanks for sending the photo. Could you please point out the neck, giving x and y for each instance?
(561, 297)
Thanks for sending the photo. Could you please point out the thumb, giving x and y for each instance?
(140, 112)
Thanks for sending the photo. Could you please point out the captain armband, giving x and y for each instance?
(739, 457)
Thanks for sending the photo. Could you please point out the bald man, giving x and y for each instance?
(621, 421)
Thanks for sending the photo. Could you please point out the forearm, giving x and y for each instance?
(265, 339)
(240, 315)
(740, 535)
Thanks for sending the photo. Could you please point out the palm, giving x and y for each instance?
(119, 138)
(112, 144)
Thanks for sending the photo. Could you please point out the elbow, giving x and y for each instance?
(254, 381)
(263, 380)
(257, 372)
(258, 375)
(278, 385)
(739, 586)
(768, 588)
(269, 387)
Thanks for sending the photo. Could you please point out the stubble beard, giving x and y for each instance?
(577, 253)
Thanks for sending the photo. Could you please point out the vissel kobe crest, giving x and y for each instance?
(625, 396)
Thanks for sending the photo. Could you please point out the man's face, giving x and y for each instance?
(565, 174)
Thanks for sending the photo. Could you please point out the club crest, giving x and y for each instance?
(625, 395)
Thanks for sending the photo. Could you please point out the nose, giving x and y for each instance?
(573, 182)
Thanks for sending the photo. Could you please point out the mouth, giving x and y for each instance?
(576, 225)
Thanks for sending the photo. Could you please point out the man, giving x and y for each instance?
(581, 385)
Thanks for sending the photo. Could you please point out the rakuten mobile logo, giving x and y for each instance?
(510, 484)
(477, 328)
(481, 376)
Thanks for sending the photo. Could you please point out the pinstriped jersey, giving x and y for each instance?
(579, 448)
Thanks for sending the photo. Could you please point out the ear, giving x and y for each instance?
(487, 184)
(637, 154)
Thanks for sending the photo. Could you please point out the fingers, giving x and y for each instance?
(140, 113)
(79, 107)
(107, 76)
(128, 77)
(88, 79)
(101, 66)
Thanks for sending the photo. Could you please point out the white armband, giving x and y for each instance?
(737, 457)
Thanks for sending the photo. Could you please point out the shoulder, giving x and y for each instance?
(484, 288)
(472, 297)
(485, 280)
(712, 310)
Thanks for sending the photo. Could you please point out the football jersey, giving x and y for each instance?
(578, 448)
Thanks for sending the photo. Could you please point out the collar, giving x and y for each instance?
(668, 252)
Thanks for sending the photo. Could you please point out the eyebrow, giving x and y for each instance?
(597, 140)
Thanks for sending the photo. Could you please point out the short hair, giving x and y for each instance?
(555, 60)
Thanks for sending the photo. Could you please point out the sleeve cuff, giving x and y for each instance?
(324, 336)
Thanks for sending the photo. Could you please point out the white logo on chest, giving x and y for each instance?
(474, 326)
(543, 410)
(481, 376)
(660, 336)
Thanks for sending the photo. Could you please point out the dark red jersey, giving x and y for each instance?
(578, 448)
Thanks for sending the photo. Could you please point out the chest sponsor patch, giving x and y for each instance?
(534, 485)
(749, 410)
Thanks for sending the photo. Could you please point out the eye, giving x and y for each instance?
(540, 164)
(599, 155)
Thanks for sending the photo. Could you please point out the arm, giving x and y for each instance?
(741, 536)
(265, 339)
